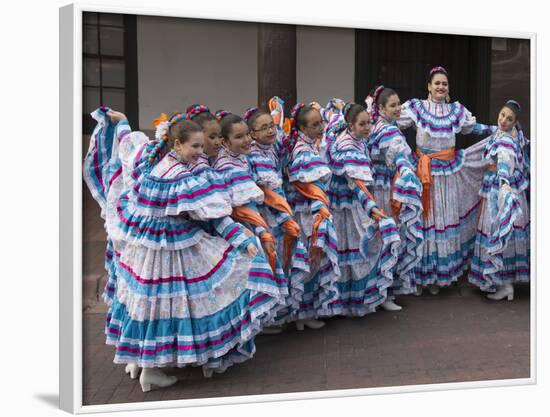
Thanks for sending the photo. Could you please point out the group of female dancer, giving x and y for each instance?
(224, 226)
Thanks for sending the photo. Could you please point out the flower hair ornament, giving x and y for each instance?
(162, 125)
(196, 110)
(220, 114)
(249, 112)
(439, 69)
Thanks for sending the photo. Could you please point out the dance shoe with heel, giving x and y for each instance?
(506, 291)
(154, 378)
(132, 369)
(434, 289)
(312, 324)
(389, 305)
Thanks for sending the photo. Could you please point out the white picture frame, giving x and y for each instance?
(71, 209)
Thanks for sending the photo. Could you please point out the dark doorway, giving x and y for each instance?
(402, 60)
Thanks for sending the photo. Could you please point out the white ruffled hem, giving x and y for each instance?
(355, 173)
(245, 193)
(321, 173)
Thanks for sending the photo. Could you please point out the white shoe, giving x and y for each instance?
(132, 369)
(154, 377)
(207, 372)
(418, 291)
(272, 330)
(312, 324)
(506, 291)
(434, 289)
(389, 305)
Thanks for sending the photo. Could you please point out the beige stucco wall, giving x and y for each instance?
(325, 64)
(183, 61)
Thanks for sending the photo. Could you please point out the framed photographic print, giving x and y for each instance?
(262, 209)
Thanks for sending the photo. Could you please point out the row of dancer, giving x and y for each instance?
(225, 226)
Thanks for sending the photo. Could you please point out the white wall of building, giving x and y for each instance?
(325, 64)
(186, 61)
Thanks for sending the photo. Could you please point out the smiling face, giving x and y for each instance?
(239, 139)
(264, 130)
(506, 119)
(212, 137)
(314, 126)
(392, 109)
(361, 127)
(439, 87)
(191, 149)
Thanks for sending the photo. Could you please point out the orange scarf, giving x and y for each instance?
(424, 172)
(246, 214)
(364, 188)
(291, 228)
(313, 192)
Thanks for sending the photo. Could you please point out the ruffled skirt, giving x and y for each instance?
(449, 230)
(319, 283)
(297, 272)
(200, 304)
(409, 223)
(367, 255)
(502, 242)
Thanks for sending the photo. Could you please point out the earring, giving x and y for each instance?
(429, 95)
(448, 98)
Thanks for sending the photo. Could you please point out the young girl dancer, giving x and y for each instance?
(501, 252)
(308, 175)
(245, 196)
(396, 187)
(183, 296)
(266, 158)
(365, 263)
(201, 114)
(449, 178)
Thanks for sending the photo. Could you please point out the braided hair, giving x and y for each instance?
(380, 96)
(350, 112)
(374, 111)
(220, 114)
(200, 113)
(163, 133)
(249, 112)
(290, 140)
